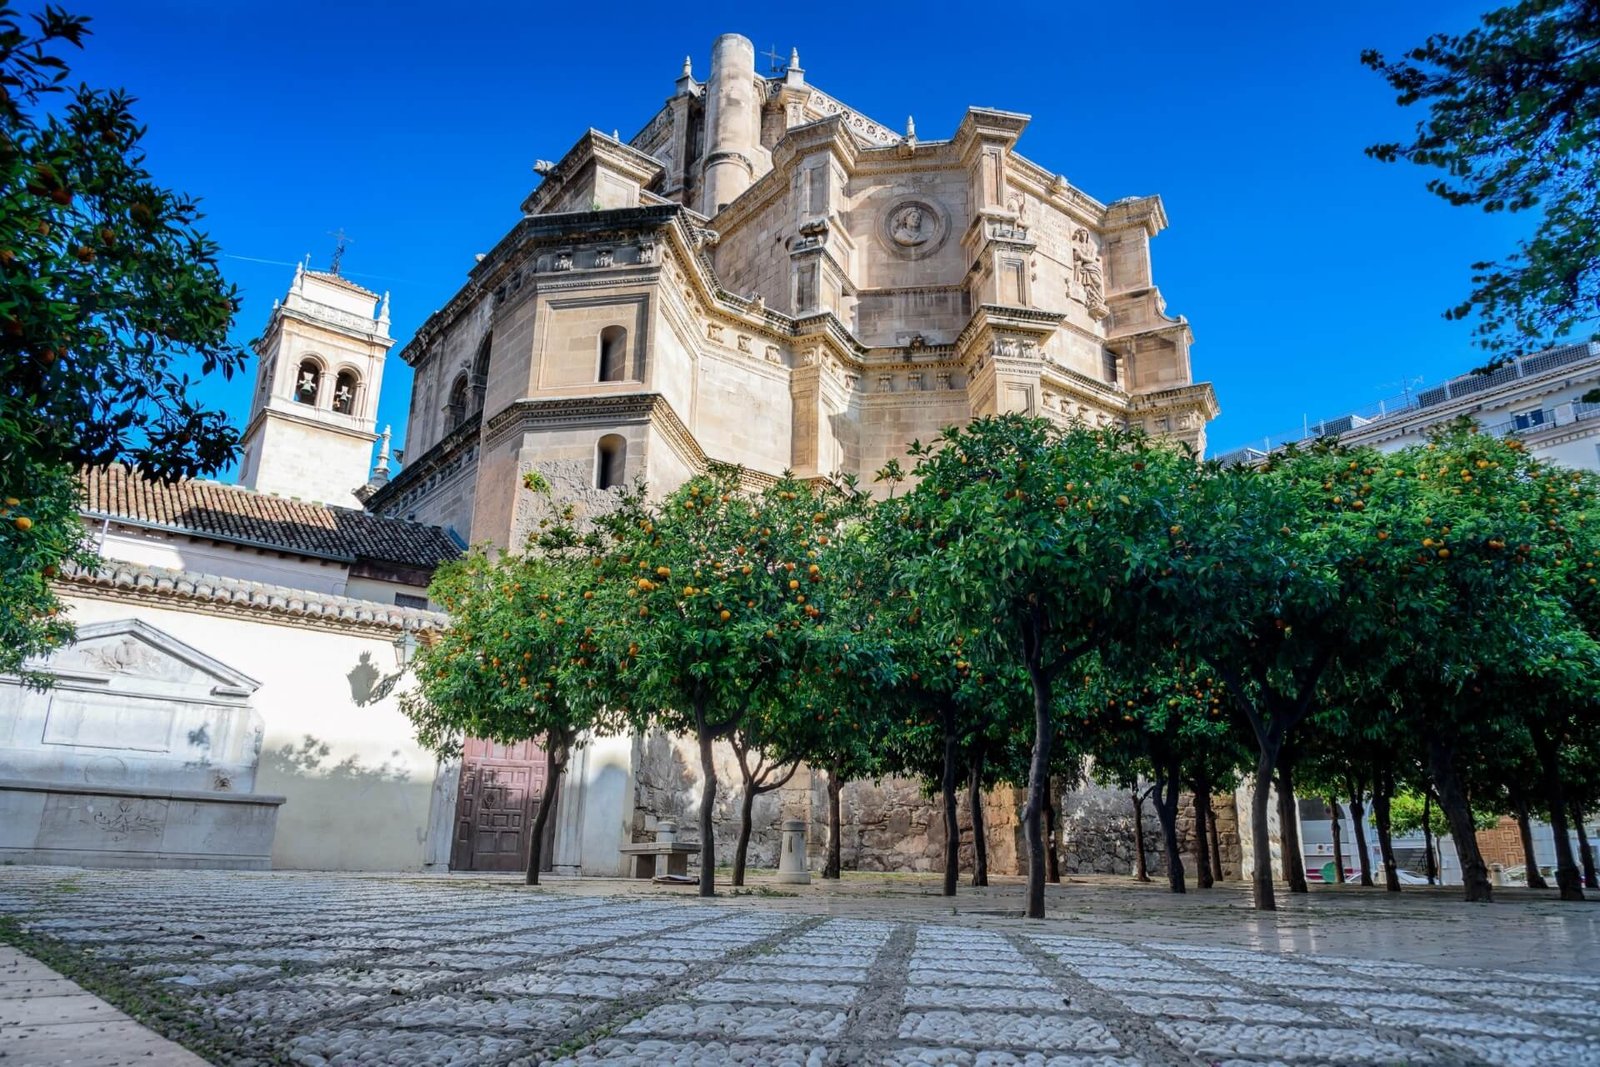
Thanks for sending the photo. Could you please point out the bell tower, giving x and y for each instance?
(319, 366)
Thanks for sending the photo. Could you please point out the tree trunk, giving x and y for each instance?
(1590, 881)
(1216, 843)
(1167, 786)
(830, 869)
(1052, 839)
(1358, 823)
(1141, 869)
(1038, 776)
(980, 835)
(1458, 813)
(1530, 862)
(741, 851)
(1567, 878)
(1294, 858)
(1430, 869)
(1202, 858)
(708, 800)
(1381, 791)
(1260, 838)
(555, 760)
(952, 821)
(1335, 818)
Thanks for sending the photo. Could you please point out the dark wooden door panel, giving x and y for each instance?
(501, 787)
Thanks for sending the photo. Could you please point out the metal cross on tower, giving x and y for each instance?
(774, 66)
(342, 240)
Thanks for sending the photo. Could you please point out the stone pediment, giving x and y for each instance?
(130, 655)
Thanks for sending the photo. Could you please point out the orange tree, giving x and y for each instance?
(1271, 588)
(1154, 713)
(715, 617)
(930, 684)
(1052, 540)
(106, 291)
(521, 659)
(1482, 554)
(838, 718)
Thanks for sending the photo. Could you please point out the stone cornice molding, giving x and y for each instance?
(531, 412)
(598, 148)
(1146, 211)
(982, 124)
(252, 601)
(431, 462)
(289, 415)
(1199, 397)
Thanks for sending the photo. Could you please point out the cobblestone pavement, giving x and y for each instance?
(339, 969)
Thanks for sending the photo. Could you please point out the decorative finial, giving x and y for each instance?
(383, 310)
(794, 59)
(911, 128)
(616, 134)
(688, 67)
(380, 472)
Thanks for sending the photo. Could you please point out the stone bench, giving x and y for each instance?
(642, 856)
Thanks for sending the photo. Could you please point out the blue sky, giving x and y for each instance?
(1313, 277)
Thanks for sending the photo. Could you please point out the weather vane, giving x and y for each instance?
(343, 240)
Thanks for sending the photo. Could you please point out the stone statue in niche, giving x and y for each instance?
(647, 252)
(1017, 204)
(603, 257)
(910, 226)
(1086, 267)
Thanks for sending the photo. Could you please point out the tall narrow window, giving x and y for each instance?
(1109, 364)
(307, 381)
(480, 372)
(456, 411)
(610, 461)
(613, 354)
(344, 392)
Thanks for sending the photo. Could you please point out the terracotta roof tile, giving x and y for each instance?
(232, 513)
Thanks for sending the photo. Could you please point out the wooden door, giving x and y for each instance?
(501, 786)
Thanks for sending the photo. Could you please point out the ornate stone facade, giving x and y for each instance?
(764, 276)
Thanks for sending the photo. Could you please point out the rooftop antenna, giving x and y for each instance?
(342, 240)
(773, 60)
(1405, 385)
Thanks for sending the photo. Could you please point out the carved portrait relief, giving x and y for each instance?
(914, 228)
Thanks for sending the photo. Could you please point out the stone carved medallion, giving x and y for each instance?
(914, 228)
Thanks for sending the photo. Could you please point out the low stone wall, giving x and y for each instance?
(104, 826)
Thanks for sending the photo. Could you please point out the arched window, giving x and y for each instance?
(480, 372)
(610, 461)
(613, 354)
(308, 382)
(344, 392)
(456, 412)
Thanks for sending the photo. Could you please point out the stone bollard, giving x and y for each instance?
(1497, 874)
(666, 832)
(792, 860)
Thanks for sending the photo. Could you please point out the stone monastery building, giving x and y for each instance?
(764, 276)
(760, 276)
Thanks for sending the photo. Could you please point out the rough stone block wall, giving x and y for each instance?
(1097, 832)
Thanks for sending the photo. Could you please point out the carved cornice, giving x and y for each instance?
(251, 601)
(437, 460)
(595, 148)
(611, 409)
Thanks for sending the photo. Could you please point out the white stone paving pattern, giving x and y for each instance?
(334, 969)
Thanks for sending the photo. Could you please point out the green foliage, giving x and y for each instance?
(1406, 811)
(39, 534)
(106, 291)
(1513, 122)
